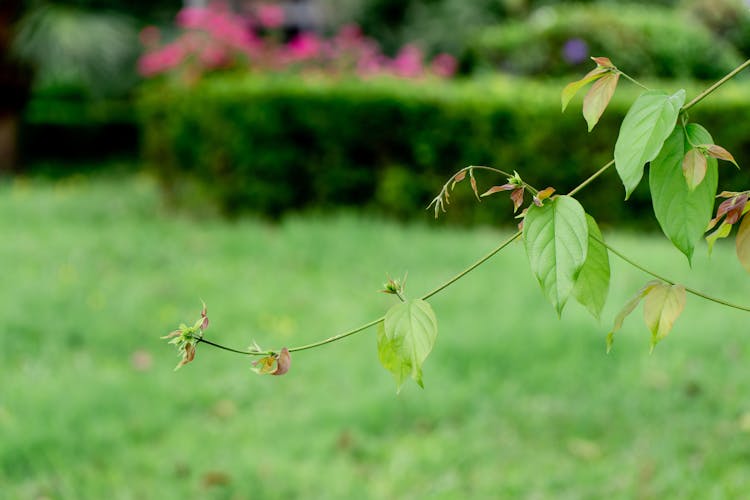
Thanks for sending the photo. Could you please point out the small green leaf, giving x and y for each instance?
(598, 97)
(405, 339)
(628, 308)
(572, 88)
(646, 126)
(694, 166)
(682, 214)
(722, 232)
(742, 243)
(556, 238)
(662, 306)
(592, 284)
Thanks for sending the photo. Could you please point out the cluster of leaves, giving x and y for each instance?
(565, 247)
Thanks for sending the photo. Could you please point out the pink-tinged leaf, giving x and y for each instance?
(603, 62)
(628, 308)
(598, 97)
(172, 335)
(187, 356)
(458, 178)
(694, 167)
(727, 194)
(474, 185)
(517, 197)
(661, 307)
(572, 88)
(719, 153)
(742, 242)
(204, 317)
(737, 209)
(497, 189)
(283, 362)
(722, 232)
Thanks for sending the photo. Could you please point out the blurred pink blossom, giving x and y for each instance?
(304, 46)
(270, 16)
(167, 58)
(444, 65)
(408, 62)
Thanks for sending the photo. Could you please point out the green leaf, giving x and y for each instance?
(694, 166)
(682, 214)
(598, 98)
(742, 243)
(647, 124)
(722, 232)
(628, 308)
(556, 239)
(405, 339)
(592, 284)
(662, 306)
(572, 88)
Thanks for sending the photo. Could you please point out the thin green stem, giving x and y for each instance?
(633, 80)
(591, 178)
(473, 266)
(716, 85)
(693, 291)
(515, 236)
(230, 349)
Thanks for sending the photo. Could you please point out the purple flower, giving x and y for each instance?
(575, 51)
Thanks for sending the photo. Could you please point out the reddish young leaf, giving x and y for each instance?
(742, 243)
(497, 189)
(603, 62)
(283, 362)
(719, 153)
(694, 167)
(598, 97)
(474, 185)
(188, 355)
(517, 197)
(628, 308)
(458, 178)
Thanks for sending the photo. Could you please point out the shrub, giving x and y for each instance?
(648, 40)
(270, 145)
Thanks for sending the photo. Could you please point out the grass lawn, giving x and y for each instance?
(517, 404)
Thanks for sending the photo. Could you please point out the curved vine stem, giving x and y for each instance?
(515, 236)
(692, 291)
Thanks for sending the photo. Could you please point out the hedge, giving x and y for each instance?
(643, 40)
(271, 145)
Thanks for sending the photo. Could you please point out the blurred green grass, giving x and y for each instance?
(518, 404)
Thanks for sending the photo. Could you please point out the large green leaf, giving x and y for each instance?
(556, 239)
(405, 339)
(647, 124)
(592, 284)
(682, 214)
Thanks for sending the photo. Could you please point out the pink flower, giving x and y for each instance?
(192, 17)
(408, 62)
(304, 46)
(270, 16)
(444, 65)
(164, 59)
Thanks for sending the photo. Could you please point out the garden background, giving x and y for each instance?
(275, 160)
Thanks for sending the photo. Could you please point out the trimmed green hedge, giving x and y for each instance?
(274, 145)
(643, 40)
